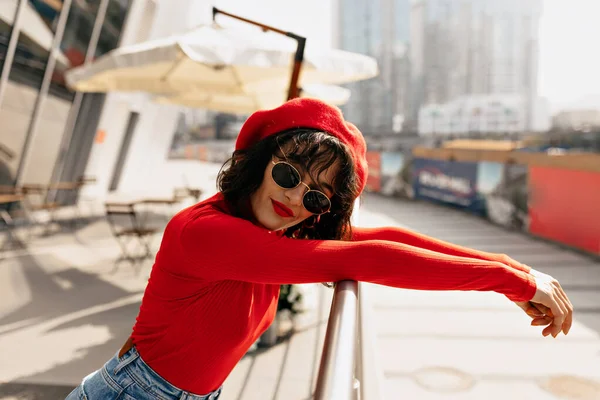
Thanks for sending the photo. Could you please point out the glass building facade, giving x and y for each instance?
(380, 30)
(475, 48)
(37, 26)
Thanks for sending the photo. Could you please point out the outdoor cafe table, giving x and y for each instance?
(8, 199)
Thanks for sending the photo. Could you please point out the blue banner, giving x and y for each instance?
(446, 181)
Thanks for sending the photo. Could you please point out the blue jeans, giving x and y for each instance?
(130, 378)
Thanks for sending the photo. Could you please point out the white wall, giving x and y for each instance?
(146, 169)
(486, 113)
(104, 154)
(148, 151)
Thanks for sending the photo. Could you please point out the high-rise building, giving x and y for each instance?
(462, 48)
(380, 30)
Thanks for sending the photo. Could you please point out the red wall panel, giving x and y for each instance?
(374, 178)
(564, 205)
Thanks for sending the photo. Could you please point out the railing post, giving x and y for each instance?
(336, 378)
(341, 372)
(358, 364)
(357, 389)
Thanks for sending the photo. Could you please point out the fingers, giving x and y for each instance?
(559, 318)
(534, 312)
(530, 309)
(543, 309)
(565, 307)
(547, 317)
(559, 310)
(541, 321)
(551, 300)
(566, 327)
(540, 314)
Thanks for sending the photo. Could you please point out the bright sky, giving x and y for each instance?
(569, 55)
(312, 19)
(569, 31)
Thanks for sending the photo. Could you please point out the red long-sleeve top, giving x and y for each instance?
(214, 286)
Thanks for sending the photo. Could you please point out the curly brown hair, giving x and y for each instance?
(316, 151)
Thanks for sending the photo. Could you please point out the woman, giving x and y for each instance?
(282, 216)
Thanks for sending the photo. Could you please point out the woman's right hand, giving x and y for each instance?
(551, 299)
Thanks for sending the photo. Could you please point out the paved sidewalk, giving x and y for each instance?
(65, 309)
(471, 345)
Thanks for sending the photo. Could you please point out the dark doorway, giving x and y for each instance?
(72, 161)
(131, 124)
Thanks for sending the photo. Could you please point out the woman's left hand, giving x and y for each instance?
(533, 310)
(551, 294)
(539, 313)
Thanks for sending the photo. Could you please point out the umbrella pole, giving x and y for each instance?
(293, 90)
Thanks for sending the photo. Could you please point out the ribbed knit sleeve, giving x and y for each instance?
(218, 246)
(412, 238)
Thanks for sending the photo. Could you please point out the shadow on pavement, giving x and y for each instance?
(34, 391)
(62, 306)
(119, 322)
(50, 299)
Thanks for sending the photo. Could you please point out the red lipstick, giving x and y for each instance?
(282, 210)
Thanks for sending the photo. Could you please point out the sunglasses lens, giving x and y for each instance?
(316, 202)
(285, 175)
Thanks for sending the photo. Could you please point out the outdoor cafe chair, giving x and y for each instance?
(133, 237)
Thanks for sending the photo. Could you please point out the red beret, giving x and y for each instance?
(307, 113)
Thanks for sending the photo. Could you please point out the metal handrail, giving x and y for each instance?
(341, 357)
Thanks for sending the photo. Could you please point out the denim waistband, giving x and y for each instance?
(151, 381)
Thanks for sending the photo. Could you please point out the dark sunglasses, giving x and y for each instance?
(286, 176)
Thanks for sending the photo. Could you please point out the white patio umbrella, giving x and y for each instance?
(213, 59)
(247, 103)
